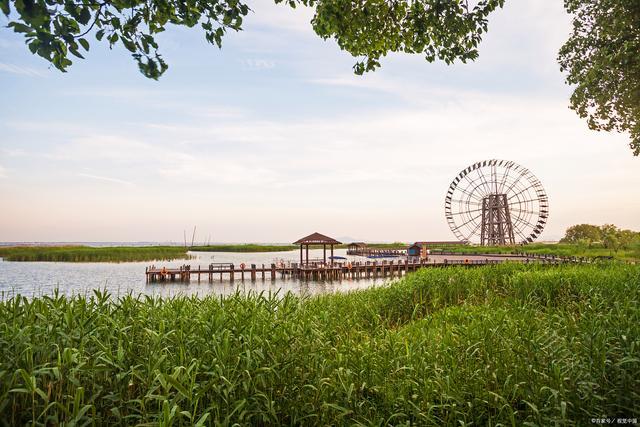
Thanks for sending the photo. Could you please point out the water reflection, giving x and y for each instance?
(42, 278)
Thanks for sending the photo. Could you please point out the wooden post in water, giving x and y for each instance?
(232, 271)
(273, 269)
(253, 272)
(262, 271)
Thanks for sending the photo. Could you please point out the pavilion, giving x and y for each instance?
(316, 239)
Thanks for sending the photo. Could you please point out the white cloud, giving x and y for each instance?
(3, 172)
(105, 179)
(21, 70)
(258, 64)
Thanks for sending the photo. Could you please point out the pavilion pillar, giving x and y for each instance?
(332, 254)
(324, 253)
(300, 254)
(307, 253)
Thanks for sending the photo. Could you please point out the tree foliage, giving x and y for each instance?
(582, 233)
(368, 29)
(602, 59)
(57, 29)
(607, 235)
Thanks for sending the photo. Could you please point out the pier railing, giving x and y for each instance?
(325, 270)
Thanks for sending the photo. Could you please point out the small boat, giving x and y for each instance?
(337, 257)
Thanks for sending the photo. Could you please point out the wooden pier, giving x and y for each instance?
(312, 271)
(377, 253)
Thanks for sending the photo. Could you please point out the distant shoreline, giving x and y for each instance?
(127, 253)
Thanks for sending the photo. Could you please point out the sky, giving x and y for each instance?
(273, 137)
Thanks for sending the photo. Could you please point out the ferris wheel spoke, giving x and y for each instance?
(523, 211)
(519, 192)
(471, 195)
(504, 180)
(466, 212)
(521, 235)
(474, 231)
(524, 201)
(476, 184)
(516, 180)
(474, 187)
(466, 201)
(494, 177)
(484, 181)
(471, 220)
(521, 224)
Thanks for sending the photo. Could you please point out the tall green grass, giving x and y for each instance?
(498, 345)
(92, 254)
(558, 249)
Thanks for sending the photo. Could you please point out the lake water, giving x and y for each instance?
(42, 278)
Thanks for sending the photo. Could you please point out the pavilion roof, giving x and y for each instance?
(316, 239)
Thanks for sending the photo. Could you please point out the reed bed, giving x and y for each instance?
(92, 254)
(497, 345)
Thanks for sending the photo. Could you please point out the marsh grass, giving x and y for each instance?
(558, 249)
(92, 254)
(508, 344)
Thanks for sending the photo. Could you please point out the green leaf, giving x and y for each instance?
(202, 420)
(131, 47)
(175, 383)
(4, 6)
(100, 34)
(84, 43)
(75, 52)
(20, 28)
(85, 15)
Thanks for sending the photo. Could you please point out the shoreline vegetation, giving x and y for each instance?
(506, 344)
(558, 249)
(92, 254)
(166, 253)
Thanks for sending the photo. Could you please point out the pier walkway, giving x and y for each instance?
(330, 271)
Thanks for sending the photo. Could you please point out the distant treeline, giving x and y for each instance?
(607, 236)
